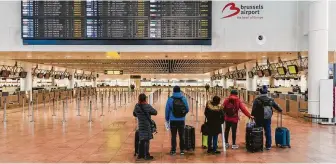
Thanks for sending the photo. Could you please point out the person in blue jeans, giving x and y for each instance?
(262, 116)
(214, 119)
(177, 123)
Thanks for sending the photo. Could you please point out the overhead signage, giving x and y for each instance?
(135, 77)
(240, 11)
(113, 72)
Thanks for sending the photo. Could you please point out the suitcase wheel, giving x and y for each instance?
(289, 146)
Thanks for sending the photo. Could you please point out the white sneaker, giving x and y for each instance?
(235, 146)
(227, 145)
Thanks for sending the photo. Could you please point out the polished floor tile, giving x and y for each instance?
(109, 138)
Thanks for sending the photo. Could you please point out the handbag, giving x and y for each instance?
(205, 128)
(151, 122)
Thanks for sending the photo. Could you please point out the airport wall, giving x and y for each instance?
(282, 23)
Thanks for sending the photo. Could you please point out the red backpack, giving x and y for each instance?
(231, 109)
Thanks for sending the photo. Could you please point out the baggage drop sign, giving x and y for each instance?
(241, 11)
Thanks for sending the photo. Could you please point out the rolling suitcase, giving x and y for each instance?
(189, 138)
(136, 143)
(204, 141)
(282, 134)
(254, 138)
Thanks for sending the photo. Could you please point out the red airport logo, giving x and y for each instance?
(232, 7)
(242, 11)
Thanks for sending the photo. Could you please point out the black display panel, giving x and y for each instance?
(96, 22)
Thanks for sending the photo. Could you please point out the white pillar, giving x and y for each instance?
(224, 83)
(27, 83)
(72, 81)
(95, 81)
(254, 83)
(317, 52)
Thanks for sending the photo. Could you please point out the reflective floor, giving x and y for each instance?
(110, 138)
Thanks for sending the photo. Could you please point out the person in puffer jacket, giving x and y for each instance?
(214, 119)
(231, 106)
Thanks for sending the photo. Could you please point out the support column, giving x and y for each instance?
(317, 52)
(254, 83)
(225, 83)
(27, 83)
(72, 81)
(95, 81)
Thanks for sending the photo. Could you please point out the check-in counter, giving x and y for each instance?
(293, 105)
(12, 101)
(251, 96)
(281, 100)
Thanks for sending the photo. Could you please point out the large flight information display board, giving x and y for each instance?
(101, 22)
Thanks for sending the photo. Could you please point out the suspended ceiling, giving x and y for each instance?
(142, 66)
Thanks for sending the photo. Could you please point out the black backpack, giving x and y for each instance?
(179, 108)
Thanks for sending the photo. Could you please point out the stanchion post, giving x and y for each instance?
(54, 114)
(64, 106)
(115, 101)
(32, 110)
(223, 138)
(90, 112)
(196, 110)
(5, 94)
(102, 107)
(78, 106)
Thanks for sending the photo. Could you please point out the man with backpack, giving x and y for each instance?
(232, 105)
(262, 112)
(176, 110)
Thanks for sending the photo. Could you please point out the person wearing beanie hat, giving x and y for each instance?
(232, 105)
(262, 112)
(176, 109)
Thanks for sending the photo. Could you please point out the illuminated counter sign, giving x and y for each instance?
(113, 72)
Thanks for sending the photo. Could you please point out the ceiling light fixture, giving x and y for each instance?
(224, 56)
(185, 56)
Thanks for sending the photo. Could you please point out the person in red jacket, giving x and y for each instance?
(232, 105)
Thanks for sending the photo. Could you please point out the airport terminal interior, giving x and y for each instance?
(73, 74)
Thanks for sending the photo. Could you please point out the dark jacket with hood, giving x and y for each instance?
(214, 118)
(257, 111)
(143, 123)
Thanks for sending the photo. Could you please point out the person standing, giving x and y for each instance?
(143, 112)
(176, 110)
(262, 112)
(215, 118)
(232, 105)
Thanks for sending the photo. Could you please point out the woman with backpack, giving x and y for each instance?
(215, 118)
(232, 105)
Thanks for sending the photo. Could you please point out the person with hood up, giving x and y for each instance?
(214, 119)
(232, 105)
(143, 112)
(262, 112)
(176, 110)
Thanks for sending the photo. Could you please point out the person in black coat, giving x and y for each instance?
(141, 109)
(215, 118)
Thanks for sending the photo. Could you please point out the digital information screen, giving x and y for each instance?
(98, 22)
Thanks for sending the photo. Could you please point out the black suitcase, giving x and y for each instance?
(136, 143)
(254, 139)
(189, 138)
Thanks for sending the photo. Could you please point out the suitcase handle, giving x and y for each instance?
(279, 119)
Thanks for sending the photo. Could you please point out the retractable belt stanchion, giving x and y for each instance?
(78, 106)
(4, 95)
(53, 108)
(109, 101)
(196, 110)
(23, 103)
(90, 112)
(97, 93)
(102, 106)
(125, 101)
(64, 106)
(29, 104)
(32, 110)
(192, 106)
(120, 99)
(115, 101)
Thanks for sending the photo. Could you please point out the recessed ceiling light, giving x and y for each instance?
(29, 56)
(146, 56)
(224, 56)
(263, 56)
(108, 56)
(185, 56)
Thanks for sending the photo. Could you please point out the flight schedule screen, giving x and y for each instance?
(100, 22)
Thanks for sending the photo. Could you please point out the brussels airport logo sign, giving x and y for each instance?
(242, 11)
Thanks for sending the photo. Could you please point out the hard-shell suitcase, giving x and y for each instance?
(136, 143)
(282, 134)
(204, 141)
(254, 139)
(189, 138)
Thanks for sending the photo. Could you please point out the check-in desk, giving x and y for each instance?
(12, 101)
(281, 100)
(251, 96)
